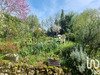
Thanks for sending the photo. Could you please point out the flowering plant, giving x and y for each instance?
(54, 57)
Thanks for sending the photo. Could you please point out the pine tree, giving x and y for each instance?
(62, 23)
(62, 15)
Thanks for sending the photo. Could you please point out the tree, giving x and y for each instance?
(51, 21)
(62, 15)
(87, 28)
(11, 27)
(37, 33)
(56, 29)
(68, 19)
(48, 23)
(33, 22)
(2, 25)
(57, 19)
(43, 24)
(63, 23)
(16, 7)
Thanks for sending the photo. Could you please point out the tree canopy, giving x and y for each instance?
(18, 8)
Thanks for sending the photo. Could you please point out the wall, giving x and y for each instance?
(8, 68)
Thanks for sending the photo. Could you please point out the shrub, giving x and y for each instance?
(71, 36)
(87, 28)
(39, 47)
(22, 44)
(44, 46)
(33, 49)
(64, 52)
(10, 47)
(79, 59)
(52, 46)
(37, 33)
(25, 52)
(65, 49)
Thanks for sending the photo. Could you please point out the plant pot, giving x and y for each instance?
(11, 57)
(52, 62)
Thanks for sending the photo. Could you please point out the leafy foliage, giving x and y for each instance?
(68, 19)
(33, 22)
(12, 27)
(37, 33)
(71, 36)
(63, 23)
(40, 47)
(79, 58)
(16, 7)
(56, 29)
(9, 48)
(87, 27)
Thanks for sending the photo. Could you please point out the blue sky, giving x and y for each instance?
(45, 8)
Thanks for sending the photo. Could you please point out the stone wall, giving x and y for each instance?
(8, 68)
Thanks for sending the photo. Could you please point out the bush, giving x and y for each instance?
(44, 46)
(37, 33)
(22, 44)
(71, 37)
(11, 27)
(39, 47)
(64, 52)
(65, 49)
(10, 47)
(52, 46)
(32, 49)
(25, 52)
(87, 28)
(79, 59)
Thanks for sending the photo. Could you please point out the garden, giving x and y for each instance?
(57, 46)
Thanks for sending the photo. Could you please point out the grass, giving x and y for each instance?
(34, 59)
(1, 56)
(66, 44)
(3, 42)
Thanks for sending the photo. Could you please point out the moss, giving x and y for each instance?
(51, 67)
(65, 69)
(45, 66)
(17, 64)
(25, 68)
(2, 56)
(4, 62)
